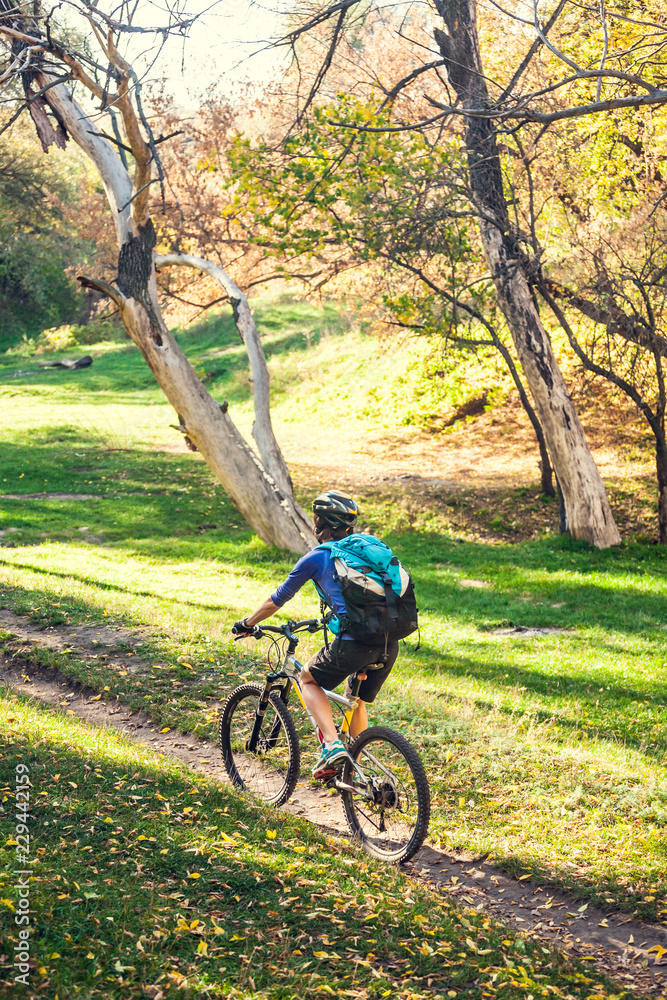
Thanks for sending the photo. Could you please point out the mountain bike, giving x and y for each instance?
(382, 783)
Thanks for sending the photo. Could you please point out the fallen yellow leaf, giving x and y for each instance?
(271, 834)
(194, 875)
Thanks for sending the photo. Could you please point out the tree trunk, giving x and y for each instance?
(661, 469)
(272, 513)
(262, 429)
(545, 465)
(588, 512)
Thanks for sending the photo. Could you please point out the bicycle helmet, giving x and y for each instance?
(336, 509)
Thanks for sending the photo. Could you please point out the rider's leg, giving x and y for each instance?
(318, 704)
(375, 678)
(359, 721)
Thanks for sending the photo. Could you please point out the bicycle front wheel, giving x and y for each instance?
(389, 809)
(271, 770)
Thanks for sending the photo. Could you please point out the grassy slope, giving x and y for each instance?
(147, 876)
(548, 753)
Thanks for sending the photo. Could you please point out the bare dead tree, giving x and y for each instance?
(38, 55)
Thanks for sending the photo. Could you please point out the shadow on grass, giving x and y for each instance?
(610, 714)
(117, 588)
(525, 581)
(506, 675)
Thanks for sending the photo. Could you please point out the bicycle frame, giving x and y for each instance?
(287, 678)
(289, 671)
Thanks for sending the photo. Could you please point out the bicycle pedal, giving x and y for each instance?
(326, 772)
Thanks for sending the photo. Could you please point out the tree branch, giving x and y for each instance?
(324, 15)
(398, 87)
(104, 287)
(592, 366)
(609, 316)
(245, 324)
(525, 62)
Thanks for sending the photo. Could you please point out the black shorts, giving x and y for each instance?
(345, 657)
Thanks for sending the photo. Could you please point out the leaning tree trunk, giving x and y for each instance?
(262, 428)
(588, 512)
(271, 512)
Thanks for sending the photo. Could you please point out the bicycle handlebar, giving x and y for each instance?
(288, 630)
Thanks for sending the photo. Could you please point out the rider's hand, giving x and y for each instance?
(242, 630)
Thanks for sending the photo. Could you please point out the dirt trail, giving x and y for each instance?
(620, 946)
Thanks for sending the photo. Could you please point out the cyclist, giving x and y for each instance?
(334, 517)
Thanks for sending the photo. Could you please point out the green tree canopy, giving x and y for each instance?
(39, 238)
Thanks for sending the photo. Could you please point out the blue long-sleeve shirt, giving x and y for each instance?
(318, 566)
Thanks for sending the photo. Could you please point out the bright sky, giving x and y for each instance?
(230, 40)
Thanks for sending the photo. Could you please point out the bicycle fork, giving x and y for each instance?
(265, 697)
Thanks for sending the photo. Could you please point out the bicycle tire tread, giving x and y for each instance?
(224, 731)
(421, 784)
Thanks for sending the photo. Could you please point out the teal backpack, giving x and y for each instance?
(378, 592)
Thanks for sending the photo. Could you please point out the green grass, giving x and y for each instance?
(144, 875)
(547, 753)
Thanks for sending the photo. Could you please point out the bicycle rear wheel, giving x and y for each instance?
(390, 807)
(271, 770)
